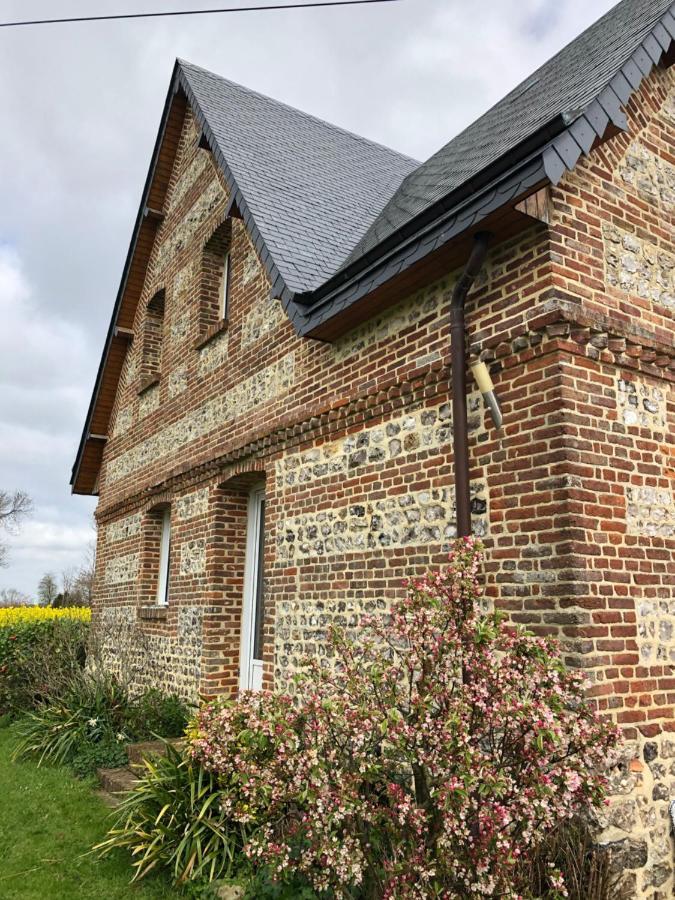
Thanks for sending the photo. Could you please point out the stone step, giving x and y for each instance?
(136, 753)
(117, 781)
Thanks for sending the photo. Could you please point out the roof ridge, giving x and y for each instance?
(183, 63)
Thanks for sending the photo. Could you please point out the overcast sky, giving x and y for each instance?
(80, 110)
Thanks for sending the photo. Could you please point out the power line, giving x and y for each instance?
(194, 12)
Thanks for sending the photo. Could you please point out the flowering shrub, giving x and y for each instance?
(427, 763)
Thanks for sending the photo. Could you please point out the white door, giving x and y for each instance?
(253, 615)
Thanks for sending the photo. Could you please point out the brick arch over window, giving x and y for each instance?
(153, 339)
(216, 267)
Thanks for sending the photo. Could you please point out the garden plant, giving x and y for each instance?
(433, 759)
(69, 711)
(90, 723)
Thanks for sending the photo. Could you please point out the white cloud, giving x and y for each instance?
(37, 347)
(53, 540)
(43, 360)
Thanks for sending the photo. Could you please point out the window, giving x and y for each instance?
(215, 279)
(164, 559)
(225, 287)
(253, 615)
(153, 335)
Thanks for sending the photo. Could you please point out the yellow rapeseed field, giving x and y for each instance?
(18, 615)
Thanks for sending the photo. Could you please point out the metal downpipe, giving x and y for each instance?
(458, 360)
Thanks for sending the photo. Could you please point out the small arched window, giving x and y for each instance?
(156, 557)
(225, 286)
(153, 336)
(216, 278)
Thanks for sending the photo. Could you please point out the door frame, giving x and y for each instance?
(250, 668)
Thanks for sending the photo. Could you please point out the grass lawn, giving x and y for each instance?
(48, 822)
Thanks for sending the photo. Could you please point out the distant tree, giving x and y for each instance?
(77, 583)
(84, 582)
(12, 597)
(63, 598)
(48, 589)
(14, 507)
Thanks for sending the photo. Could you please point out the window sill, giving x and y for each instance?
(153, 613)
(146, 382)
(211, 332)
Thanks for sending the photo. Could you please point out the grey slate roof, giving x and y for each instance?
(564, 86)
(311, 187)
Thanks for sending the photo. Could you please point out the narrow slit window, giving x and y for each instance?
(153, 336)
(164, 559)
(225, 290)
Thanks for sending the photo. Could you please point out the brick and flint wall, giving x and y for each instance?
(575, 497)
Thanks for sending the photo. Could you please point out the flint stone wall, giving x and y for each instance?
(142, 659)
(639, 266)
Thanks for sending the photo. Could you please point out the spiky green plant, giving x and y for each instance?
(90, 723)
(173, 820)
(91, 712)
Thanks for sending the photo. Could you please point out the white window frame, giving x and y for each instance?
(164, 559)
(250, 668)
(225, 290)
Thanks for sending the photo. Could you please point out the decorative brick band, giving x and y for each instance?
(560, 319)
